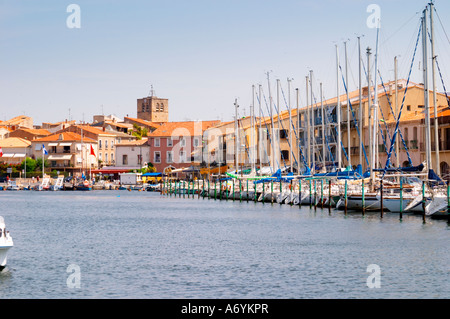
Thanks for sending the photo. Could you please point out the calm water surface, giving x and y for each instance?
(143, 245)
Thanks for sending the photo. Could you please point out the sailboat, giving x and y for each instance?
(6, 243)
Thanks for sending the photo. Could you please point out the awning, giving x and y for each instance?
(52, 144)
(79, 159)
(65, 144)
(59, 157)
(152, 174)
(8, 155)
(19, 155)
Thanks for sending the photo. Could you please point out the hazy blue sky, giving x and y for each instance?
(200, 54)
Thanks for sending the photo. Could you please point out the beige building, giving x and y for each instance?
(67, 151)
(14, 150)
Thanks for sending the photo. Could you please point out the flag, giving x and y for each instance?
(1, 152)
(92, 151)
(44, 151)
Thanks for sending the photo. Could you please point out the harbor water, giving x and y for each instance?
(132, 244)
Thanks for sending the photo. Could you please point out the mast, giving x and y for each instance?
(338, 112)
(370, 107)
(253, 144)
(397, 146)
(273, 127)
(291, 125)
(260, 143)
(308, 137)
(278, 122)
(313, 130)
(348, 107)
(433, 72)
(425, 90)
(236, 135)
(323, 130)
(298, 131)
(375, 108)
(361, 125)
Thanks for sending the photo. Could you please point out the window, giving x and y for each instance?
(169, 142)
(139, 159)
(106, 144)
(112, 143)
(182, 142)
(415, 133)
(157, 142)
(100, 158)
(408, 107)
(106, 158)
(157, 157)
(169, 157)
(182, 157)
(112, 157)
(195, 141)
(125, 159)
(99, 144)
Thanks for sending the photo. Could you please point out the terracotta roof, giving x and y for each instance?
(14, 142)
(66, 136)
(133, 143)
(144, 122)
(167, 129)
(35, 131)
(17, 120)
(93, 130)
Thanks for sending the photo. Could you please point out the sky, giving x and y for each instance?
(199, 54)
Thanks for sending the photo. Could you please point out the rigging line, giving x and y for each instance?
(354, 118)
(282, 126)
(268, 134)
(439, 18)
(401, 107)
(291, 125)
(328, 137)
(342, 145)
(440, 73)
(396, 119)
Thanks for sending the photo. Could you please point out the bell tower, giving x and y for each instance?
(153, 108)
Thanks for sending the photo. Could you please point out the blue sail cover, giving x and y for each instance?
(417, 168)
(435, 178)
(350, 174)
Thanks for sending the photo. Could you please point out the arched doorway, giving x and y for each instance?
(445, 171)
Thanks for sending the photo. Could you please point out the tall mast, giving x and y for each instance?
(433, 70)
(252, 136)
(236, 135)
(291, 125)
(375, 107)
(260, 140)
(397, 146)
(361, 125)
(348, 107)
(308, 136)
(370, 107)
(273, 127)
(298, 130)
(278, 116)
(323, 130)
(425, 90)
(313, 130)
(338, 112)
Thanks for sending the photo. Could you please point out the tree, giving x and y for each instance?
(31, 164)
(139, 132)
(39, 163)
